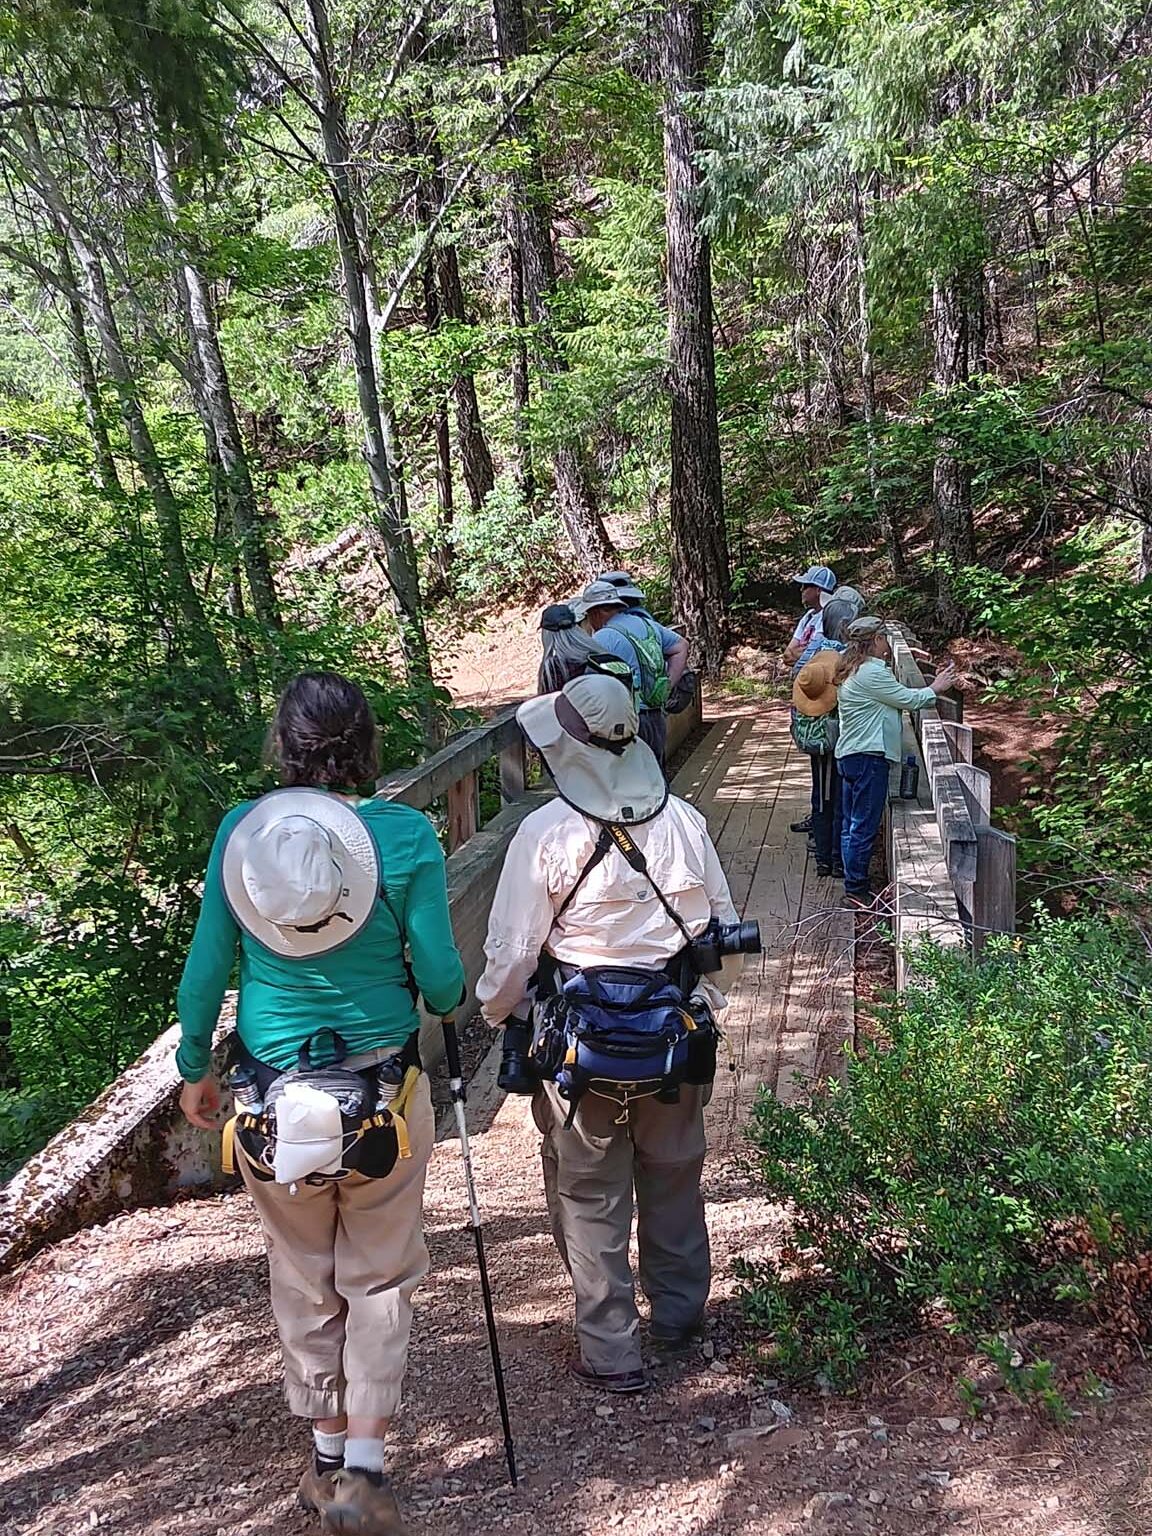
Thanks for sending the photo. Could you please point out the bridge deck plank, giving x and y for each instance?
(793, 1009)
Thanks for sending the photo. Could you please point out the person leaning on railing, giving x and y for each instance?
(870, 698)
(316, 889)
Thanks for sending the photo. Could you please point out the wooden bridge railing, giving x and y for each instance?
(453, 774)
(954, 874)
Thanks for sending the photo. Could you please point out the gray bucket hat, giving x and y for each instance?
(587, 735)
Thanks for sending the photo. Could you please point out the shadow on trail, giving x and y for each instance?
(154, 1314)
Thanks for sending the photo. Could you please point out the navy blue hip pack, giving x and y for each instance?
(620, 1031)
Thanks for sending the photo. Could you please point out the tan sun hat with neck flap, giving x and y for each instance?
(587, 735)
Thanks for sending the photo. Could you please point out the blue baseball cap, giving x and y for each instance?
(818, 576)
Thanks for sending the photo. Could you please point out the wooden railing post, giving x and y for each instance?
(513, 770)
(959, 738)
(463, 810)
(994, 894)
(977, 786)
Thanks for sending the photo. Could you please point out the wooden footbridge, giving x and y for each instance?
(949, 876)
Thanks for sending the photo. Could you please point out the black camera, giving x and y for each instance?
(719, 939)
(516, 1071)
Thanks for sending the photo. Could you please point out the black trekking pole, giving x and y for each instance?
(459, 1099)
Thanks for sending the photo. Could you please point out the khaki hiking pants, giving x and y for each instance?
(344, 1259)
(590, 1175)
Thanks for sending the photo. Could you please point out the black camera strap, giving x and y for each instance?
(637, 861)
(614, 836)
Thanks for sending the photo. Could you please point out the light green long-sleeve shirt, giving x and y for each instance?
(360, 990)
(870, 701)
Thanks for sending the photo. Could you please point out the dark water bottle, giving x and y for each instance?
(245, 1090)
(909, 778)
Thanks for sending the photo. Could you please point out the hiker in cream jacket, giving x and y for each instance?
(594, 1168)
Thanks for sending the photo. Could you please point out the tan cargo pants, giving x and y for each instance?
(344, 1259)
(591, 1173)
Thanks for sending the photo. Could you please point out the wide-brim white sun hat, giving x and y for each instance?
(587, 736)
(300, 872)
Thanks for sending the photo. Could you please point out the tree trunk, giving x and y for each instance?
(475, 457)
(951, 476)
(521, 375)
(1137, 477)
(215, 402)
(443, 271)
(389, 532)
(445, 498)
(696, 505)
(104, 470)
(532, 237)
(885, 514)
(187, 607)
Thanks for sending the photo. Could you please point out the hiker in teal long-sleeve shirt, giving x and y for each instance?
(360, 989)
(317, 892)
(870, 698)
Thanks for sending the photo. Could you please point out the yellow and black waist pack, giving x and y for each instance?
(371, 1133)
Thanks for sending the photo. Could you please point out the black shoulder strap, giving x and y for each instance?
(615, 836)
(603, 844)
(407, 963)
(628, 847)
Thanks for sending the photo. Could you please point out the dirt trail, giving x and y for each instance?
(494, 663)
(141, 1387)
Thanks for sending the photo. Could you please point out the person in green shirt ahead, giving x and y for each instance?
(870, 698)
(337, 910)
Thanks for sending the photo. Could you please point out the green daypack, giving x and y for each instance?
(654, 686)
(816, 734)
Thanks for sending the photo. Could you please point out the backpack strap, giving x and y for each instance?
(598, 854)
(628, 847)
(614, 836)
(409, 975)
(646, 659)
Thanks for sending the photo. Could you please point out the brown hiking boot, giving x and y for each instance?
(360, 1506)
(315, 1487)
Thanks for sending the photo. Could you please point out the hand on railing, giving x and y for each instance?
(946, 678)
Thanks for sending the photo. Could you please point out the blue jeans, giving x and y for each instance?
(864, 794)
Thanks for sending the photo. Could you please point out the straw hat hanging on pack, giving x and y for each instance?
(300, 872)
(813, 690)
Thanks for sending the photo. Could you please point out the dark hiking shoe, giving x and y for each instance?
(621, 1384)
(801, 826)
(668, 1338)
(836, 871)
(361, 1504)
(314, 1488)
(858, 901)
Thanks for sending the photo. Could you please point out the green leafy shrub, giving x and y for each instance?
(506, 550)
(1088, 665)
(988, 1160)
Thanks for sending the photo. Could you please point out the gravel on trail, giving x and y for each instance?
(140, 1377)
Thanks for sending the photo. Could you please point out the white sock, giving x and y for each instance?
(329, 1447)
(364, 1455)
